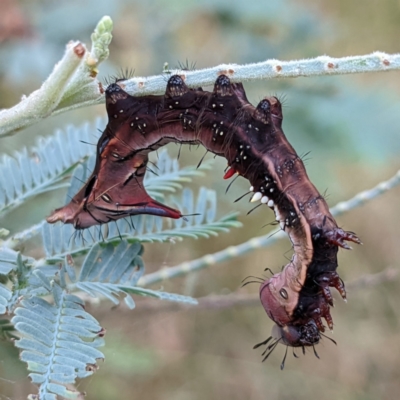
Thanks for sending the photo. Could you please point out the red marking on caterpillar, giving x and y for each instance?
(255, 147)
(229, 173)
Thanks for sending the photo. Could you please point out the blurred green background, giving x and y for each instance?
(349, 123)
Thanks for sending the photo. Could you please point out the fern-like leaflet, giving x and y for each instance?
(58, 338)
(46, 166)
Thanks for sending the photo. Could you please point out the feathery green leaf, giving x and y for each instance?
(60, 239)
(44, 167)
(59, 342)
(113, 271)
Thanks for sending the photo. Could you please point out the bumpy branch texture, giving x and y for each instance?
(72, 83)
(322, 65)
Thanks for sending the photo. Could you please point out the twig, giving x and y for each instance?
(222, 302)
(323, 65)
(15, 240)
(262, 241)
(370, 280)
(43, 101)
(367, 195)
(71, 84)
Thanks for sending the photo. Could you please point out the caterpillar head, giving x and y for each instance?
(297, 336)
(279, 298)
(294, 336)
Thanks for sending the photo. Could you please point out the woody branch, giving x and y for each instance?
(72, 84)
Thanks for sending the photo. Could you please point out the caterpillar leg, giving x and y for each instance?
(322, 311)
(328, 280)
(338, 236)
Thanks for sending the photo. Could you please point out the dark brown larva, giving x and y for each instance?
(252, 141)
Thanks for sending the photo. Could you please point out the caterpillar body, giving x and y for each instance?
(255, 147)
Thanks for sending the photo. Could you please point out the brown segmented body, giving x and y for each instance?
(252, 141)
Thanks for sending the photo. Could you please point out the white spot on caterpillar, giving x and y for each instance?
(221, 133)
(106, 198)
(132, 123)
(144, 125)
(137, 118)
(271, 203)
(264, 200)
(257, 196)
(251, 188)
(171, 107)
(245, 157)
(222, 122)
(271, 190)
(213, 106)
(121, 111)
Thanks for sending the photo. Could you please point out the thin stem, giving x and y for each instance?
(367, 195)
(27, 234)
(223, 302)
(84, 91)
(43, 101)
(322, 65)
(71, 84)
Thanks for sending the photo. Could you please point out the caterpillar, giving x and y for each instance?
(255, 147)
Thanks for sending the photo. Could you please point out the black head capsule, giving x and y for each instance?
(297, 336)
(222, 86)
(263, 112)
(113, 88)
(117, 103)
(176, 87)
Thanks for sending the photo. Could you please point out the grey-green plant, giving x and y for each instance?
(58, 338)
